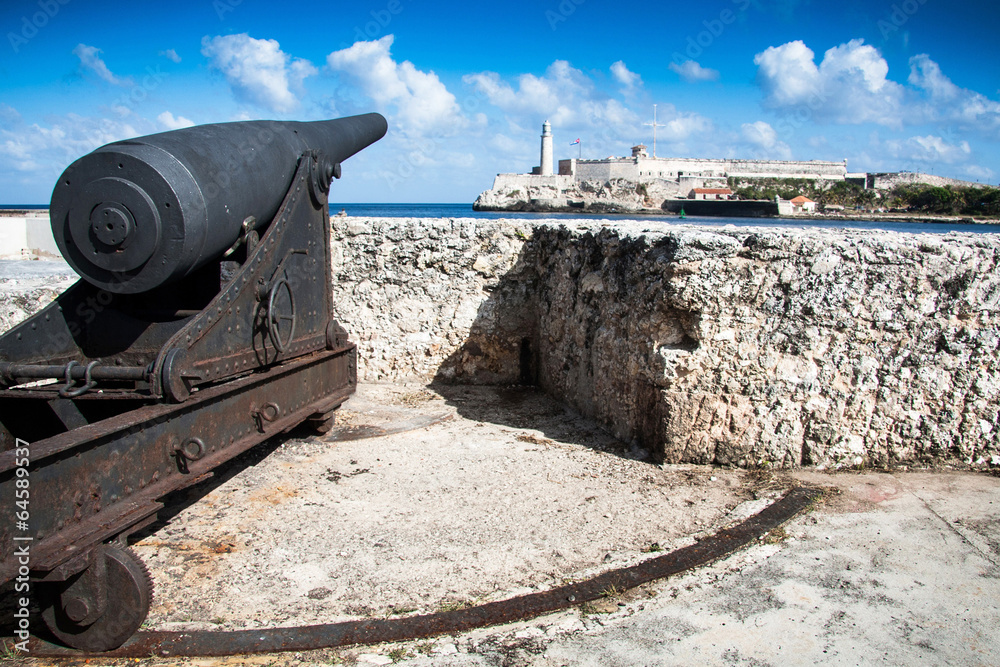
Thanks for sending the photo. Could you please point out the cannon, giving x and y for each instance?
(201, 326)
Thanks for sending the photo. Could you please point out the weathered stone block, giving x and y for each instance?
(734, 346)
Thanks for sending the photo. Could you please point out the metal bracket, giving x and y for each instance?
(247, 236)
(192, 449)
(88, 382)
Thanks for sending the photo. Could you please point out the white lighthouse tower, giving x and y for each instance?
(546, 161)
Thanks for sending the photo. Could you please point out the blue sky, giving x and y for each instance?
(896, 85)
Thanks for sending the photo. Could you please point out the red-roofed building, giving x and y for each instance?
(710, 193)
(803, 205)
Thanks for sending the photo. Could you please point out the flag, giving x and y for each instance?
(574, 143)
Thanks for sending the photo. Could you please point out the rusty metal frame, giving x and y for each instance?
(376, 631)
(101, 479)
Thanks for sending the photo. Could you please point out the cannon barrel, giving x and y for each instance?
(136, 214)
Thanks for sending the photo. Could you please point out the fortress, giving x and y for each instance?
(644, 184)
(643, 168)
(637, 182)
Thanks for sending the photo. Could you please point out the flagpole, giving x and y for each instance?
(655, 125)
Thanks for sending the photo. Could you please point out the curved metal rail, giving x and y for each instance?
(377, 631)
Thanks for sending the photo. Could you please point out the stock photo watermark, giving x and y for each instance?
(801, 114)
(381, 18)
(696, 45)
(898, 15)
(563, 11)
(139, 92)
(31, 24)
(223, 7)
(250, 151)
(22, 545)
(407, 165)
(424, 148)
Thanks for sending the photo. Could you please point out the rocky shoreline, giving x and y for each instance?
(601, 208)
(561, 194)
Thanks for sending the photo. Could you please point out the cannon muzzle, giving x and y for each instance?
(136, 214)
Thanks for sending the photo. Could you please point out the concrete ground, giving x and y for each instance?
(497, 492)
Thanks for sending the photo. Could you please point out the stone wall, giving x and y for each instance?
(887, 181)
(434, 298)
(605, 170)
(640, 169)
(735, 346)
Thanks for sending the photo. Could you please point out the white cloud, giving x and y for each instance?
(9, 116)
(692, 72)
(984, 174)
(624, 76)
(564, 95)
(851, 86)
(683, 126)
(763, 138)
(168, 121)
(946, 101)
(508, 146)
(48, 149)
(927, 74)
(577, 108)
(171, 55)
(423, 104)
(848, 86)
(760, 134)
(559, 94)
(788, 74)
(258, 70)
(89, 59)
(929, 148)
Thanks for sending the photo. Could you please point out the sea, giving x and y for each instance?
(465, 211)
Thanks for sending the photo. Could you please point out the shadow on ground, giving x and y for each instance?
(528, 407)
(498, 373)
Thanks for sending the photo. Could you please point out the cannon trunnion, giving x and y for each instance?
(202, 326)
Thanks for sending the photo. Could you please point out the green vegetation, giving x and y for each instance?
(398, 654)
(612, 591)
(7, 651)
(947, 200)
(454, 605)
(767, 188)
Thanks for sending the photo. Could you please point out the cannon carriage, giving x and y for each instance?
(201, 326)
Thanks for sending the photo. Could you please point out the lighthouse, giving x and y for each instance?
(546, 160)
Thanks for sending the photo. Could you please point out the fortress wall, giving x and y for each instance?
(788, 169)
(890, 180)
(742, 346)
(669, 168)
(605, 170)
